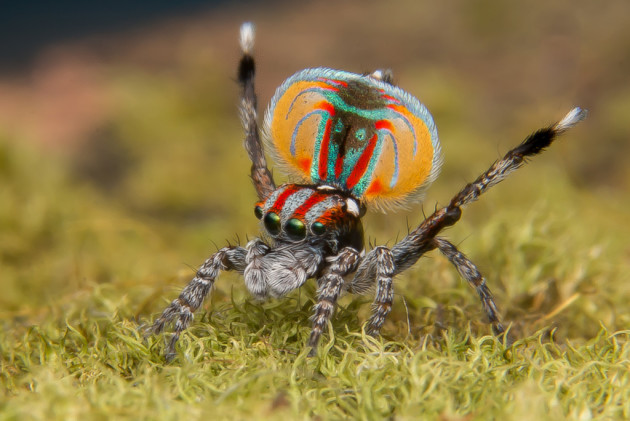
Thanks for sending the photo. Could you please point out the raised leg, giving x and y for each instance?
(420, 240)
(261, 176)
(330, 287)
(516, 158)
(470, 273)
(182, 308)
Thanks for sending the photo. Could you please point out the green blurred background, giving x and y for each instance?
(121, 161)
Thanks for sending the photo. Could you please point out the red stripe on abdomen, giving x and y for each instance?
(362, 163)
(339, 166)
(323, 151)
(384, 124)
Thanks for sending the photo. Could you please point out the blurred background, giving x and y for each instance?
(120, 148)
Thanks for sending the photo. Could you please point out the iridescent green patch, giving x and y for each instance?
(295, 229)
(272, 223)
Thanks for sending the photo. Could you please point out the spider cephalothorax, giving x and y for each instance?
(305, 224)
(318, 215)
(351, 141)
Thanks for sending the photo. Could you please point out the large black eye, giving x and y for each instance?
(295, 229)
(318, 228)
(272, 223)
(258, 212)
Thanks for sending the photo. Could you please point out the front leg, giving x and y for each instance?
(182, 308)
(330, 287)
(384, 297)
(379, 268)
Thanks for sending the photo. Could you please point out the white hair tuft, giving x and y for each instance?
(377, 74)
(571, 119)
(247, 37)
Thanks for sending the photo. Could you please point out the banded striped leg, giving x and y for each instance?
(517, 157)
(420, 240)
(260, 174)
(182, 309)
(470, 273)
(330, 287)
(384, 289)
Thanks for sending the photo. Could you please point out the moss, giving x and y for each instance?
(86, 264)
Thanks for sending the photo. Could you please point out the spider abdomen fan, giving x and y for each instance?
(356, 133)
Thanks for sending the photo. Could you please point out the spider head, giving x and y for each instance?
(322, 216)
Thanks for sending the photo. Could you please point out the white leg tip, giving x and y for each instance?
(247, 37)
(571, 119)
(377, 74)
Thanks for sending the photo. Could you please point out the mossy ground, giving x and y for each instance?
(88, 257)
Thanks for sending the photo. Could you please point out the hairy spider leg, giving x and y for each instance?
(182, 309)
(419, 241)
(260, 174)
(384, 297)
(330, 287)
(471, 274)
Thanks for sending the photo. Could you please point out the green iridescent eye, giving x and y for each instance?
(318, 228)
(272, 223)
(295, 229)
(258, 212)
